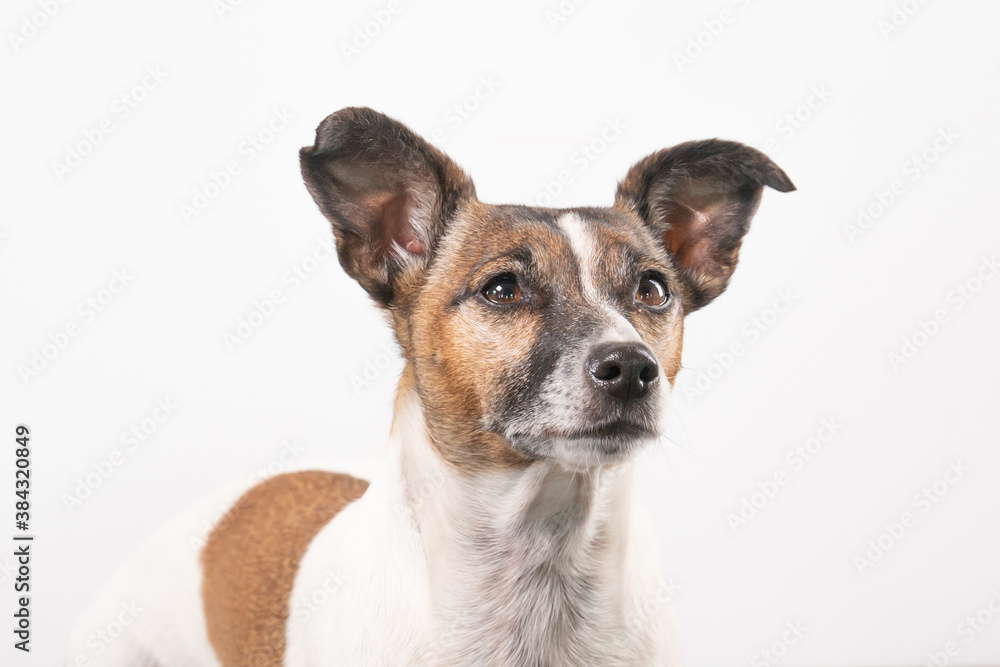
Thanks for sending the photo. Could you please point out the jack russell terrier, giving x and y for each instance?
(502, 528)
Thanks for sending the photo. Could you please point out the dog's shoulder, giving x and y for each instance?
(252, 555)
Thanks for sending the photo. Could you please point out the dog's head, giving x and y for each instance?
(529, 332)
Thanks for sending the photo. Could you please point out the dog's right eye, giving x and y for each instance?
(503, 290)
(652, 291)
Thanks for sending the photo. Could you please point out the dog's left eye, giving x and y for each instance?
(652, 291)
(503, 290)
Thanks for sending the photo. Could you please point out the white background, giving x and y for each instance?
(883, 99)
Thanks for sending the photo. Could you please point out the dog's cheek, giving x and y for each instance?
(487, 348)
(664, 333)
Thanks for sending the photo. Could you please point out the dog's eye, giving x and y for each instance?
(652, 291)
(503, 290)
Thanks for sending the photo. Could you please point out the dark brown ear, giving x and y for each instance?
(699, 197)
(388, 193)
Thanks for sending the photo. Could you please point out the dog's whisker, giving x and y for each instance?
(680, 446)
(666, 456)
(691, 368)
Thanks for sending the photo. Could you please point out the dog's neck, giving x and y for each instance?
(526, 565)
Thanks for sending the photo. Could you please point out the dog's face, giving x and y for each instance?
(534, 333)
(554, 331)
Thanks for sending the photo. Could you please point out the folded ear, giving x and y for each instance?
(388, 193)
(699, 198)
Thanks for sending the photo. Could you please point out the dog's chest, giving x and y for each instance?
(547, 630)
(532, 599)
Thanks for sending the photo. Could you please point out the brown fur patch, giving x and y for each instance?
(466, 356)
(251, 558)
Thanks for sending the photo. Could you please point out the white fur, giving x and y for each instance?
(432, 567)
(439, 567)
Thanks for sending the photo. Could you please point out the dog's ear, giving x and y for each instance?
(699, 198)
(388, 193)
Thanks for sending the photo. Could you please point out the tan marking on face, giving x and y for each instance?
(464, 354)
(252, 556)
(667, 347)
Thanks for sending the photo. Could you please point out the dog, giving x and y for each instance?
(501, 528)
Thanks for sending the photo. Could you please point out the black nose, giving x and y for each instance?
(625, 370)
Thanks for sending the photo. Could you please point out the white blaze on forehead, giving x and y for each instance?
(584, 248)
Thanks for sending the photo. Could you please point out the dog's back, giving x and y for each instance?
(213, 586)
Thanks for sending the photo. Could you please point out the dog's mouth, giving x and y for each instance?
(612, 440)
(617, 431)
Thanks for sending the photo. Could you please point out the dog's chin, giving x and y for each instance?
(588, 446)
